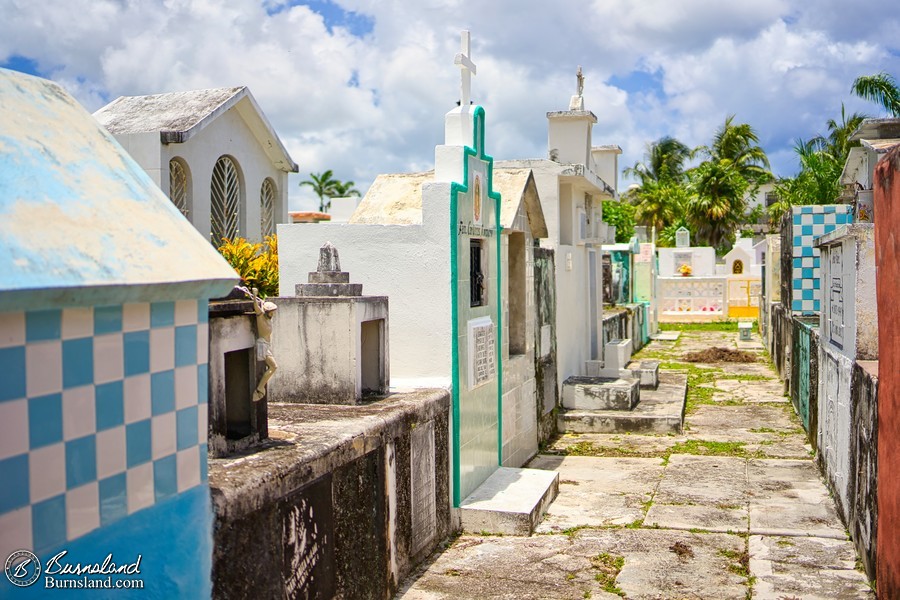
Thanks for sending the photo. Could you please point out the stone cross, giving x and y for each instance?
(466, 67)
(577, 101)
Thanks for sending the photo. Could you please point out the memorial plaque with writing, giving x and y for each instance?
(682, 238)
(482, 351)
(307, 541)
(645, 255)
(836, 298)
(424, 512)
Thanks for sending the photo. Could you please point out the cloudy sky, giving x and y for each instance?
(361, 86)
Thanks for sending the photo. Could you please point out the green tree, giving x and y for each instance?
(663, 160)
(717, 206)
(344, 189)
(822, 160)
(660, 196)
(739, 144)
(322, 185)
(659, 203)
(621, 215)
(734, 164)
(881, 89)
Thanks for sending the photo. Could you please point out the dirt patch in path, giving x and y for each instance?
(719, 355)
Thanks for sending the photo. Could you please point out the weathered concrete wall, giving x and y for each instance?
(863, 501)
(232, 326)
(887, 258)
(343, 502)
(318, 345)
(805, 373)
(781, 341)
(519, 346)
(835, 424)
(545, 371)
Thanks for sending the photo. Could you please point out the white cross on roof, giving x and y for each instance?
(466, 67)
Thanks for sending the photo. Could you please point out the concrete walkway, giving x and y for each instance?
(734, 508)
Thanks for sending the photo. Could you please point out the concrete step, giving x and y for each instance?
(646, 371)
(509, 502)
(600, 393)
(659, 411)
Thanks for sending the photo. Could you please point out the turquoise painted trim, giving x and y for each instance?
(455, 190)
(499, 333)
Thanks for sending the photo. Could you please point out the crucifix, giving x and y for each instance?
(580, 77)
(466, 67)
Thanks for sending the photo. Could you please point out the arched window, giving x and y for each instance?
(267, 207)
(225, 201)
(737, 267)
(180, 186)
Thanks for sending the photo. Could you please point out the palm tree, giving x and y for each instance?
(322, 185)
(740, 145)
(660, 196)
(717, 206)
(344, 189)
(665, 159)
(735, 163)
(881, 89)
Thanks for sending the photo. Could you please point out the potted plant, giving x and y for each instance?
(685, 270)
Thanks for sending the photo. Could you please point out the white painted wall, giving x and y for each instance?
(408, 263)
(520, 432)
(703, 261)
(834, 419)
(229, 135)
(848, 321)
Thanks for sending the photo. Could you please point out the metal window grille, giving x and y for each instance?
(476, 274)
(225, 201)
(178, 186)
(267, 208)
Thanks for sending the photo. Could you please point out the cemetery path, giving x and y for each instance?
(733, 508)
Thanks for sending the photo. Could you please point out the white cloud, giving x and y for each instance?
(375, 103)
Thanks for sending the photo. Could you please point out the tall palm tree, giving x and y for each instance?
(881, 89)
(717, 206)
(344, 189)
(660, 196)
(322, 185)
(739, 144)
(664, 159)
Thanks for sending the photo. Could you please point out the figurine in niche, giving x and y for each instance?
(265, 312)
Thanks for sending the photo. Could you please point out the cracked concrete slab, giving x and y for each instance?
(805, 568)
(596, 491)
(722, 518)
(703, 480)
(796, 548)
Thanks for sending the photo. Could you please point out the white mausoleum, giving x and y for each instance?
(213, 153)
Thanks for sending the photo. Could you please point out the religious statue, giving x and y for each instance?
(580, 77)
(265, 312)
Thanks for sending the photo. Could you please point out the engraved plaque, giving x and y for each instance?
(482, 352)
(424, 512)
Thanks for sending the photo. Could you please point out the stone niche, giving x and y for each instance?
(331, 342)
(235, 421)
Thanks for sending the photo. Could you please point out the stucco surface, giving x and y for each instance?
(76, 211)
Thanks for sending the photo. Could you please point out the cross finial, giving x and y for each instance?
(580, 77)
(466, 67)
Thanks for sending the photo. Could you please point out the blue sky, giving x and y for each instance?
(361, 86)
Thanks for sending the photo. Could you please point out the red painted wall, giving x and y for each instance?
(887, 259)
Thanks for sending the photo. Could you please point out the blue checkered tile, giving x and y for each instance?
(808, 223)
(102, 413)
